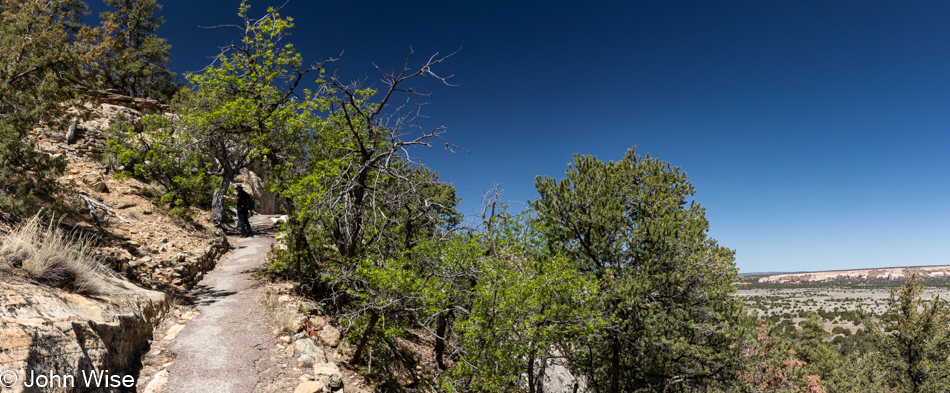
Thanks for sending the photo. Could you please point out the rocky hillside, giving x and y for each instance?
(891, 273)
(154, 258)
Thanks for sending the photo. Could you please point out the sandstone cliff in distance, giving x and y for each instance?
(889, 273)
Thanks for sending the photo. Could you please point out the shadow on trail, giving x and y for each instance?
(203, 295)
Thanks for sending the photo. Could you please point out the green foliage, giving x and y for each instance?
(242, 110)
(44, 58)
(858, 343)
(841, 330)
(666, 287)
(158, 154)
(860, 373)
(136, 56)
(246, 108)
(524, 309)
(821, 357)
(913, 340)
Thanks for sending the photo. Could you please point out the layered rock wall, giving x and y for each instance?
(46, 331)
(178, 272)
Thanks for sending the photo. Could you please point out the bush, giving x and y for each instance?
(158, 155)
(47, 254)
(841, 330)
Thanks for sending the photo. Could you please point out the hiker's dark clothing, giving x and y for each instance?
(243, 222)
(243, 201)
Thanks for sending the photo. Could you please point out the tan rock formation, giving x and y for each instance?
(254, 184)
(52, 332)
(893, 273)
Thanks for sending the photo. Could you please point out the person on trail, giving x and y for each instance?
(244, 205)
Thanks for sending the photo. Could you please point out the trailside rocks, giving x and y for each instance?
(329, 374)
(329, 335)
(310, 353)
(326, 378)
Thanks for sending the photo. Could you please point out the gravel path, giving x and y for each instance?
(218, 350)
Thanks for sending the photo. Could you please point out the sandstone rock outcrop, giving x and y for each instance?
(144, 105)
(50, 331)
(254, 184)
(892, 273)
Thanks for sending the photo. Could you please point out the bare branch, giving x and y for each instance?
(92, 203)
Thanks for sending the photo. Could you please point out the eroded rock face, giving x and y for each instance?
(46, 331)
(254, 184)
(893, 273)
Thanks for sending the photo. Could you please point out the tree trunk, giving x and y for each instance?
(440, 338)
(364, 339)
(71, 133)
(615, 366)
(355, 224)
(217, 204)
(530, 372)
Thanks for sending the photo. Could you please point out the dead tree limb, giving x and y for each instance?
(93, 204)
(71, 133)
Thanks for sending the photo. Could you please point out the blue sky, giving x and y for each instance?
(817, 133)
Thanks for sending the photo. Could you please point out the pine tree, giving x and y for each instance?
(913, 340)
(666, 287)
(137, 57)
(43, 64)
(821, 356)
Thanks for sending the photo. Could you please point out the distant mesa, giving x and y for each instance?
(888, 273)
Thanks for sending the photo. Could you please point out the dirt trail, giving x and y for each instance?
(217, 350)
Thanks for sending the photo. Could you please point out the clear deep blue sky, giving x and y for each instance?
(817, 133)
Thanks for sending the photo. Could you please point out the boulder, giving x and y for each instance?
(329, 374)
(318, 322)
(329, 335)
(310, 387)
(310, 353)
(95, 182)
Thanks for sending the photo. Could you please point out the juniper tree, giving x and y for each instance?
(913, 340)
(136, 56)
(519, 310)
(44, 69)
(665, 286)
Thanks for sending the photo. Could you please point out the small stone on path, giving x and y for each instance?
(309, 387)
(173, 332)
(159, 380)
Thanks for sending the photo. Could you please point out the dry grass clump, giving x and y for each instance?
(47, 254)
(285, 320)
